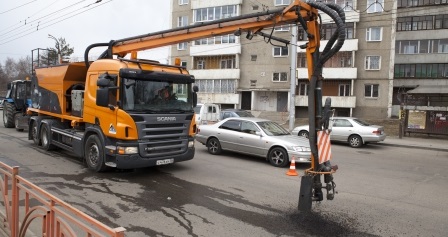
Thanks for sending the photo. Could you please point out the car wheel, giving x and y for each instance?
(355, 141)
(213, 146)
(45, 137)
(34, 135)
(278, 157)
(304, 134)
(94, 154)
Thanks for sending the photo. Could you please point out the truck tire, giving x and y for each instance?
(8, 115)
(45, 137)
(94, 154)
(34, 134)
(17, 123)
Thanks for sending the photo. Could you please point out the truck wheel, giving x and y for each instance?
(94, 154)
(34, 135)
(8, 115)
(16, 122)
(45, 137)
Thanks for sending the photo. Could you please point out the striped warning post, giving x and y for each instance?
(323, 146)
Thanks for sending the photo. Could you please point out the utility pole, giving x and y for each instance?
(292, 104)
(58, 48)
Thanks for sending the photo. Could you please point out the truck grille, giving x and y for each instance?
(163, 139)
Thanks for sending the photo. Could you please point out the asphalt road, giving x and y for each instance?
(382, 191)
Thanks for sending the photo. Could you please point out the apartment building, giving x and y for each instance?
(365, 78)
(421, 56)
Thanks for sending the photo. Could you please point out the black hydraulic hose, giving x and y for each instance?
(333, 38)
(340, 31)
(86, 53)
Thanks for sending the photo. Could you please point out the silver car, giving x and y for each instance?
(348, 129)
(257, 137)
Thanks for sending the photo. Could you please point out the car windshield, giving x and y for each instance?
(273, 128)
(156, 96)
(244, 114)
(360, 122)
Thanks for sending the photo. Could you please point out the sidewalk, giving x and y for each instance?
(439, 143)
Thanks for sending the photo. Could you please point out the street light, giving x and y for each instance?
(58, 47)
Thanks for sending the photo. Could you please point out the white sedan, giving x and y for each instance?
(257, 137)
(348, 129)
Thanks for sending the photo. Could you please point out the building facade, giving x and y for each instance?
(362, 78)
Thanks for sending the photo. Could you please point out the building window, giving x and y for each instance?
(225, 39)
(374, 33)
(200, 64)
(441, 22)
(253, 57)
(183, 2)
(419, 3)
(344, 90)
(280, 51)
(440, 46)
(340, 59)
(371, 90)
(373, 62)
(216, 86)
(282, 28)
(421, 70)
(347, 5)
(282, 2)
(329, 29)
(182, 46)
(182, 21)
(227, 63)
(280, 76)
(375, 6)
(214, 13)
(183, 64)
(303, 89)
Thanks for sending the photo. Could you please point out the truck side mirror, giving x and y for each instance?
(195, 96)
(102, 97)
(102, 82)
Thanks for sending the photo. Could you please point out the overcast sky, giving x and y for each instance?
(109, 20)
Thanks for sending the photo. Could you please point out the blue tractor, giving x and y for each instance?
(17, 100)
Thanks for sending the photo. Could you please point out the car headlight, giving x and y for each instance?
(127, 150)
(301, 148)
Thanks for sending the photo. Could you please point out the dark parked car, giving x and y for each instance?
(228, 113)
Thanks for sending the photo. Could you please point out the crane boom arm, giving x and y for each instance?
(251, 23)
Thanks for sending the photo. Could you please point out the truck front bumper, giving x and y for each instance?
(136, 161)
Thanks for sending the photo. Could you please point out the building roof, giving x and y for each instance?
(433, 89)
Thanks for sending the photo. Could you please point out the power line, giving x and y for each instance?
(43, 27)
(17, 7)
(43, 17)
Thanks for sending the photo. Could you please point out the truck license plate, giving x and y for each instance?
(164, 162)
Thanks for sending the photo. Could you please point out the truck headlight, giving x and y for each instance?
(190, 144)
(127, 150)
(301, 148)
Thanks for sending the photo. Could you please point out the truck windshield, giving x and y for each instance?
(156, 96)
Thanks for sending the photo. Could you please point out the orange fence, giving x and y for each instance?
(29, 210)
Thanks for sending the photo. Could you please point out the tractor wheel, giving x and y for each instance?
(8, 115)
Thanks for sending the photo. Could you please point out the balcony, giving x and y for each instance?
(216, 73)
(349, 45)
(215, 49)
(332, 73)
(195, 4)
(336, 101)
